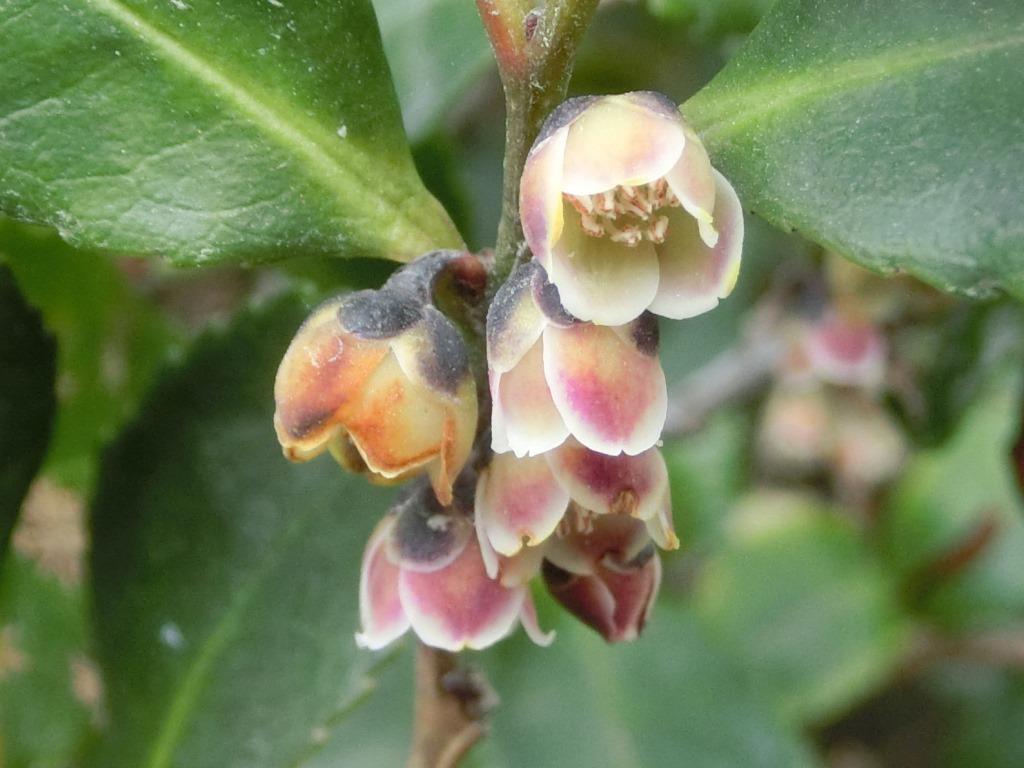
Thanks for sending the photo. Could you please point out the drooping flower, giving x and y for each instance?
(843, 350)
(524, 500)
(606, 571)
(621, 206)
(552, 376)
(382, 380)
(422, 568)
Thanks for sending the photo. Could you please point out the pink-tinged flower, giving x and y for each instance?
(553, 376)
(795, 430)
(382, 380)
(621, 206)
(521, 501)
(423, 569)
(845, 351)
(605, 570)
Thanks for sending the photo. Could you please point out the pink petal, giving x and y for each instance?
(540, 196)
(608, 388)
(530, 623)
(514, 319)
(460, 606)
(632, 485)
(847, 352)
(692, 180)
(380, 610)
(517, 499)
(695, 277)
(600, 280)
(619, 140)
(526, 419)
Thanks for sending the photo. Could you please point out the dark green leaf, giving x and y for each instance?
(225, 579)
(49, 688)
(796, 596)
(205, 132)
(27, 401)
(110, 343)
(436, 49)
(891, 132)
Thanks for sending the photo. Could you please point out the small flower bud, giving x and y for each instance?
(423, 569)
(621, 206)
(552, 376)
(606, 571)
(381, 379)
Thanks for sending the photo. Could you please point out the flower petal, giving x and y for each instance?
(460, 606)
(619, 140)
(530, 423)
(693, 276)
(518, 499)
(847, 352)
(427, 536)
(661, 527)
(322, 376)
(608, 388)
(692, 179)
(540, 194)
(632, 485)
(600, 280)
(514, 320)
(531, 624)
(380, 610)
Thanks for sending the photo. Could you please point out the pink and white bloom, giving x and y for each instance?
(422, 569)
(621, 206)
(846, 351)
(522, 501)
(552, 376)
(606, 571)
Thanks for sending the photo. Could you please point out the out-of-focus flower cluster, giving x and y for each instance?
(626, 219)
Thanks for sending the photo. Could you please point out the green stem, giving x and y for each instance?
(535, 68)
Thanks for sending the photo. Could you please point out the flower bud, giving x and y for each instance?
(382, 379)
(621, 206)
(522, 500)
(606, 571)
(552, 376)
(423, 569)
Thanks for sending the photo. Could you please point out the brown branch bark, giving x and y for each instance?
(450, 716)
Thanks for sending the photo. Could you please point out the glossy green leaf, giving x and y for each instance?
(891, 132)
(796, 597)
(225, 579)
(49, 688)
(109, 343)
(206, 132)
(27, 400)
(436, 49)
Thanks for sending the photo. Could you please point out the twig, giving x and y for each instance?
(732, 376)
(451, 708)
(1001, 648)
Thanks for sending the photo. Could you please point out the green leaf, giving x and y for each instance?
(27, 401)
(890, 132)
(206, 132)
(225, 579)
(109, 343)
(49, 688)
(797, 598)
(436, 49)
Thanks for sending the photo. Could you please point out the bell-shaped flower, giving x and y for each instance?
(846, 351)
(382, 380)
(621, 206)
(553, 376)
(522, 501)
(422, 568)
(606, 571)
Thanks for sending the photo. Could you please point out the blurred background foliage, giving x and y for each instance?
(175, 594)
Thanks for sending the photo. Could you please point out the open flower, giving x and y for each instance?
(553, 376)
(621, 206)
(524, 500)
(382, 380)
(422, 568)
(606, 571)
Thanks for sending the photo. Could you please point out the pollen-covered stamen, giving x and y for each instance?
(626, 214)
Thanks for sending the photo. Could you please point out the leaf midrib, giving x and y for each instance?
(317, 151)
(728, 114)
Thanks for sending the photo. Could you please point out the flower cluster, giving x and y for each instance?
(626, 220)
